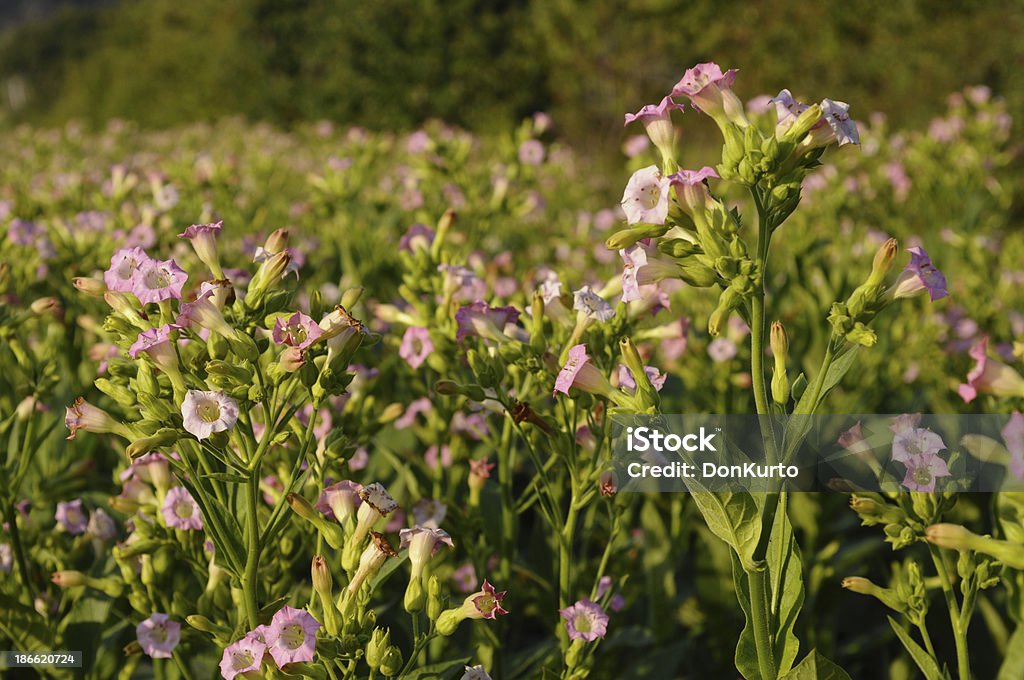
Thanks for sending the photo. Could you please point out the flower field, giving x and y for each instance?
(333, 403)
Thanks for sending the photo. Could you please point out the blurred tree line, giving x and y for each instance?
(478, 63)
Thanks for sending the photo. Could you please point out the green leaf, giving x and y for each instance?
(437, 671)
(816, 667)
(1010, 507)
(229, 477)
(26, 628)
(746, 648)
(923, 659)
(785, 569)
(736, 519)
(839, 368)
(1013, 664)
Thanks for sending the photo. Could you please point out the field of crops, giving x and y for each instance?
(337, 404)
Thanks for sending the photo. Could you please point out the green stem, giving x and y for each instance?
(252, 562)
(927, 640)
(963, 662)
(10, 516)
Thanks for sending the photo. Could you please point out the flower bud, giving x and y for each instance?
(351, 296)
(628, 237)
(380, 641)
(391, 663)
(68, 579)
(163, 437)
(435, 602)
(276, 242)
(89, 286)
(807, 119)
(780, 351)
(883, 262)
(452, 388)
(323, 584)
(46, 306)
(332, 533)
(205, 625)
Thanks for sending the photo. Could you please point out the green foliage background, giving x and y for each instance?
(391, 64)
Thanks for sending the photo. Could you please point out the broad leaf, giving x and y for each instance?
(746, 647)
(785, 568)
(736, 519)
(816, 667)
(839, 368)
(1013, 664)
(923, 659)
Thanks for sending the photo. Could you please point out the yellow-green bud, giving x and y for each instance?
(779, 342)
(380, 641)
(391, 663)
(435, 603)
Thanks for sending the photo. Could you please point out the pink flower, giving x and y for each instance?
(1013, 435)
(633, 259)
(204, 413)
(627, 381)
(486, 604)
(431, 458)
(920, 275)
(710, 91)
(837, 115)
(340, 500)
(608, 485)
(123, 266)
(416, 346)
(657, 120)
(578, 372)
(82, 415)
(480, 468)
(990, 376)
(585, 620)
(721, 350)
(154, 341)
(531, 152)
(905, 422)
(417, 237)
(158, 636)
(691, 187)
(204, 313)
(242, 657)
(292, 636)
(922, 471)
(913, 442)
(645, 199)
(158, 280)
(204, 242)
(298, 331)
(72, 517)
(180, 510)
(462, 283)
(417, 407)
(484, 321)
(465, 578)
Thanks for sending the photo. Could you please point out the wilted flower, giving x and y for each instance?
(124, 265)
(204, 413)
(990, 376)
(291, 637)
(592, 305)
(158, 280)
(646, 197)
(158, 636)
(71, 517)
(585, 620)
(180, 510)
(920, 275)
(416, 346)
(298, 331)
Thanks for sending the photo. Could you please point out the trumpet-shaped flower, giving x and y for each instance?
(462, 283)
(657, 121)
(158, 280)
(124, 265)
(585, 620)
(72, 517)
(204, 313)
(291, 637)
(592, 305)
(691, 187)
(423, 543)
(158, 636)
(180, 510)
(578, 372)
(372, 558)
(416, 346)
(837, 115)
(646, 197)
(550, 287)
(913, 442)
(204, 413)
(709, 90)
(920, 275)
(204, 242)
(485, 604)
(1013, 436)
(340, 501)
(633, 258)
(84, 416)
(298, 331)
(990, 376)
(922, 472)
(242, 657)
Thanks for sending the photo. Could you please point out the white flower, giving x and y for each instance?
(592, 304)
(207, 412)
(475, 673)
(646, 197)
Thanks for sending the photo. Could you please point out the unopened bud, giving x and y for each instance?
(391, 663)
(780, 351)
(89, 286)
(68, 579)
(276, 242)
(883, 262)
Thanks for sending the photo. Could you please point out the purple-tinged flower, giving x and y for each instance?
(242, 657)
(462, 283)
(124, 265)
(635, 145)
(904, 423)
(154, 342)
(204, 313)
(633, 258)
(578, 372)
(691, 187)
(656, 377)
(101, 525)
(204, 413)
(531, 152)
(158, 636)
(72, 517)
(914, 442)
(464, 578)
(435, 461)
(657, 120)
(645, 199)
(591, 305)
(787, 110)
(291, 637)
(158, 280)
(429, 513)
(415, 408)
(417, 237)
(298, 331)
(416, 346)
(484, 321)
(476, 672)
(418, 142)
(920, 275)
(423, 543)
(721, 350)
(204, 242)
(608, 484)
(340, 501)
(24, 233)
(837, 115)
(710, 91)
(585, 620)
(180, 510)
(1013, 435)
(84, 416)
(550, 287)
(922, 472)
(990, 376)
(486, 603)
